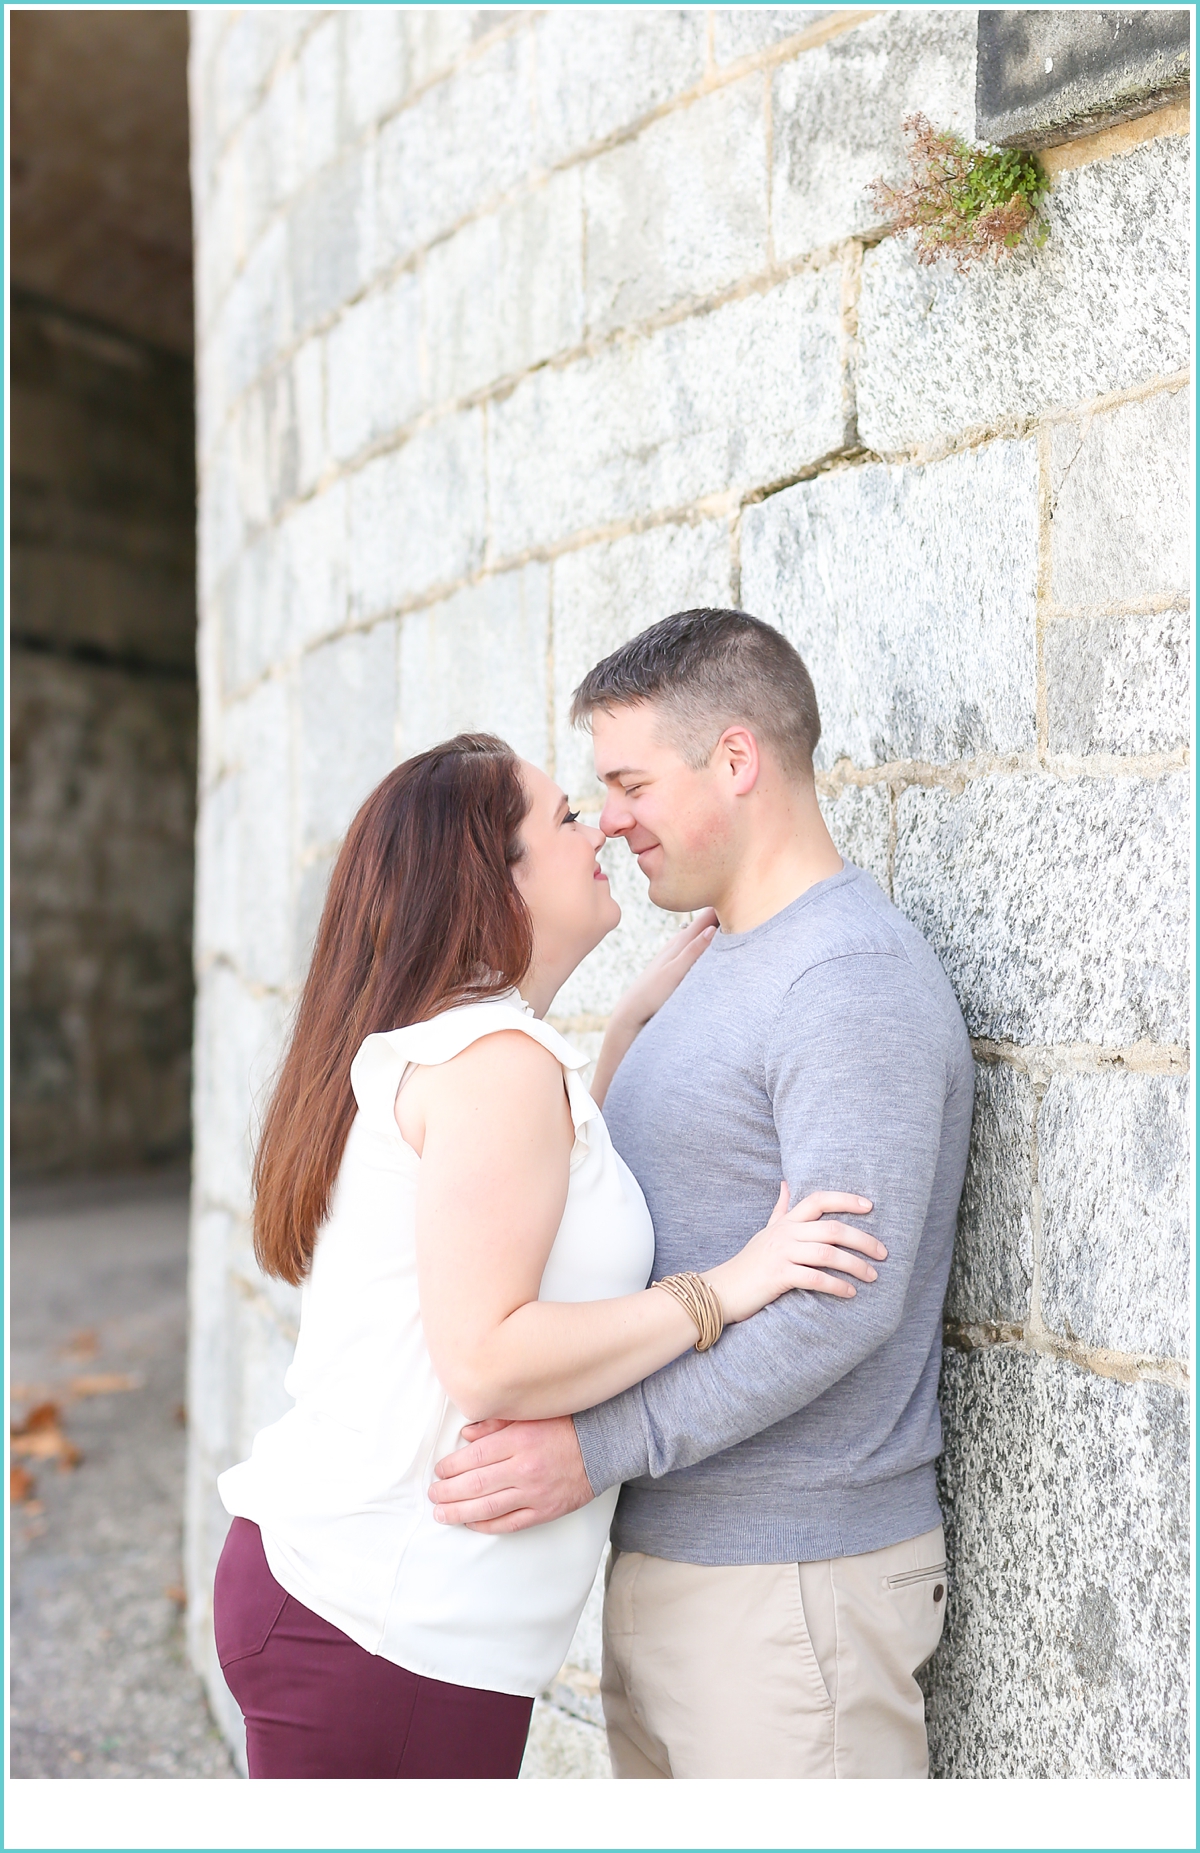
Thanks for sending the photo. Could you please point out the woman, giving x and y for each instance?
(434, 1171)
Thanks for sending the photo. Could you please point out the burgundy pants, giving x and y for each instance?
(318, 1705)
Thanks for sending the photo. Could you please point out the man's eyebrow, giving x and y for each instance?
(624, 772)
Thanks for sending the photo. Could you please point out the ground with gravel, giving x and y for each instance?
(100, 1682)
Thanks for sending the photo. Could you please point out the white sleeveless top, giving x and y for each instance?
(338, 1485)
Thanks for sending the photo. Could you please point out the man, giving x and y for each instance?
(778, 1569)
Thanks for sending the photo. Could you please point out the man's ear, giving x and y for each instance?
(737, 753)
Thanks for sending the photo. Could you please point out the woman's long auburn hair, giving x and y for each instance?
(422, 913)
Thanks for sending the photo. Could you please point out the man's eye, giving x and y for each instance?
(572, 817)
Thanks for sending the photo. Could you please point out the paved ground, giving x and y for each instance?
(100, 1682)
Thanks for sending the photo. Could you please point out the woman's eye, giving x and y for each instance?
(572, 817)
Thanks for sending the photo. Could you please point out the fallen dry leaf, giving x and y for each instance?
(21, 1485)
(82, 1346)
(177, 1594)
(42, 1415)
(40, 1438)
(104, 1383)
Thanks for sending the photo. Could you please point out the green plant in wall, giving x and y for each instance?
(963, 203)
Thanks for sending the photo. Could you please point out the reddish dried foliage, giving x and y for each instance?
(963, 203)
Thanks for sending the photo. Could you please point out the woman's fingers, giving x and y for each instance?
(828, 1203)
(823, 1255)
(781, 1204)
(811, 1280)
(840, 1235)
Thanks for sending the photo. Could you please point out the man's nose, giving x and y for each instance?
(616, 819)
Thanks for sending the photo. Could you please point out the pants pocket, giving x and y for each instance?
(247, 1601)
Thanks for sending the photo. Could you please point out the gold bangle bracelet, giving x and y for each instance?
(700, 1303)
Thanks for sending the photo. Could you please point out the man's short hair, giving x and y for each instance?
(707, 670)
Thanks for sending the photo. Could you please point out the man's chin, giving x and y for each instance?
(663, 893)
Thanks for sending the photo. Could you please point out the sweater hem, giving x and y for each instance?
(809, 1525)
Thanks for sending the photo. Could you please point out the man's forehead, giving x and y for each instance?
(625, 740)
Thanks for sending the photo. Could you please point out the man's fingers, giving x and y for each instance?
(514, 1521)
(485, 1453)
(495, 1507)
(475, 1431)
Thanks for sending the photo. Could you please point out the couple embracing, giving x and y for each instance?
(705, 1323)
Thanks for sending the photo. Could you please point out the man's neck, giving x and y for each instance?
(780, 863)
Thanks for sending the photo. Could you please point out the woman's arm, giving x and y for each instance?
(494, 1130)
(647, 995)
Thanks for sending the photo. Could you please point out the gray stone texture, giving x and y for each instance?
(743, 31)
(859, 818)
(1118, 685)
(1066, 1648)
(102, 760)
(837, 111)
(910, 594)
(992, 1272)
(1049, 74)
(480, 663)
(942, 353)
(1059, 909)
(1120, 503)
(733, 399)
(680, 211)
(1114, 1178)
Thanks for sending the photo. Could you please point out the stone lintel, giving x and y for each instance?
(1048, 76)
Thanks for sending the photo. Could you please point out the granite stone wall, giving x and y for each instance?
(518, 331)
(103, 744)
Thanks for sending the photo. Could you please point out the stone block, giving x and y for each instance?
(375, 64)
(347, 731)
(1120, 503)
(373, 363)
(479, 662)
(416, 516)
(312, 884)
(910, 593)
(329, 235)
(743, 396)
(680, 211)
(595, 985)
(311, 438)
(255, 319)
(506, 292)
(742, 31)
(1059, 908)
(1067, 1501)
(1049, 74)
(598, 72)
(316, 133)
(605, 594)
(992, 1272)
(459, 146)
(562, 1748)
(242, 58)
(437, 36)
(1113, 1170)
(1118, 685)
(859, 819)
(239, 1038)
(836, 113)
(288, 588)
(259, 749)
(1101, 307)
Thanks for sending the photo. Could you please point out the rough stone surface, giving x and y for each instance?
(720, 401)
(740, 32)
(597, 74)
(1121, 516)
(837, 111)
(941, 353)
(1118, 685)
(1113, 1171)
(1047, 74)
(992, 1272)
(934, 658)
(681, 210)
(479, 663)
(1067, 1499)
(994, 877)
(859, 818)
(415, 518)
(605, 594)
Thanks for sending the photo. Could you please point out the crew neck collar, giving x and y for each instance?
(729, 942)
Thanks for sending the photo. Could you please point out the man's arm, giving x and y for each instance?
(857, 1078)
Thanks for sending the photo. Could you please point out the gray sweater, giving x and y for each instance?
(826, 1047)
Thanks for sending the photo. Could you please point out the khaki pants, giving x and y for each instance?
(796, 1670)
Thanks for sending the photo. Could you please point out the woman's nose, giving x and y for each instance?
(595, 837)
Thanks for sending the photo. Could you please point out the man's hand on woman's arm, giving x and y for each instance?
(512, 1475)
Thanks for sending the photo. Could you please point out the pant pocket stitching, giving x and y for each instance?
(248, 1653)
(905, 1579)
